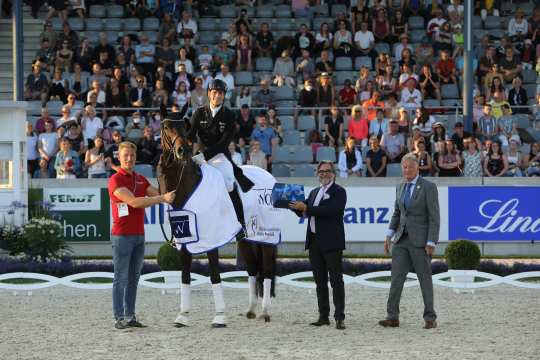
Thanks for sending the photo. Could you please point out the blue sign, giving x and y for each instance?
(180, 226)
(494, 213)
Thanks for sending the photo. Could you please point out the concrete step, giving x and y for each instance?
(9, 53)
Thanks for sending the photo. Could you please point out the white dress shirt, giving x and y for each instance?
(318, 198)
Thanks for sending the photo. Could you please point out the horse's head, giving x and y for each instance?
(174, 141)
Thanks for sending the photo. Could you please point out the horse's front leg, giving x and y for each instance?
(182, 319)
(220, 319)
(268, 272)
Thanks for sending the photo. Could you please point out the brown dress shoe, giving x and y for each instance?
(430, 324)
(389, 323)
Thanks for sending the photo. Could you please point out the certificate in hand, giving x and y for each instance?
(282, 194)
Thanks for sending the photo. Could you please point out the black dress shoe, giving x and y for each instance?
(340, 325)
(321, 322)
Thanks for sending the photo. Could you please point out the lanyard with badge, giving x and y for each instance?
(123, 209)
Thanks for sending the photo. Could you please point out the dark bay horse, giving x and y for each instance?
(178, 171)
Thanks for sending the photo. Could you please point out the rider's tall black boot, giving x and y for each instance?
(238, 208)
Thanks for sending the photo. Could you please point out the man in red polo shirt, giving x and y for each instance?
(129, 193)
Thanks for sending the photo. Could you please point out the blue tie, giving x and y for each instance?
(407, 195)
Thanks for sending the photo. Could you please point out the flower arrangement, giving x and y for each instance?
(42, 239)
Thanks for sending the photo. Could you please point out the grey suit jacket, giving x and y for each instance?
(421, 220)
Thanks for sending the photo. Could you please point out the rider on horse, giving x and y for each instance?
(214, 127)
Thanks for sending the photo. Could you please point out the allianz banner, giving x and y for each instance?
(367, 216)
(494, 213)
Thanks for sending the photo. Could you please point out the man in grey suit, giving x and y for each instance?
(415, 229)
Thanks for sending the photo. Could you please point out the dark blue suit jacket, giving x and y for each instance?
(330, 231)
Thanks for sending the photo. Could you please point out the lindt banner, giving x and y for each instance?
(494, 213)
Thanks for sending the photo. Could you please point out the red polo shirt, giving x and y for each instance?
(133, 223)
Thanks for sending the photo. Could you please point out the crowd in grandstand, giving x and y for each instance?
(358, 82)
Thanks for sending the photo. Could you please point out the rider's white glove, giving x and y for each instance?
(199, 159)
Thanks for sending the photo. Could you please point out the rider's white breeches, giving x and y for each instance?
(224, 166)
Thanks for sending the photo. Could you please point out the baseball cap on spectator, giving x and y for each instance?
(325, 74)
(438, 124)
(458, 125)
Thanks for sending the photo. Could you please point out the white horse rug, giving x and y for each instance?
(208, 221)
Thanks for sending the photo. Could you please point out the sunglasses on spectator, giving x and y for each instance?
(324, 171)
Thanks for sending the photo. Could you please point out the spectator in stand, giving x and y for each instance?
(230, 36)
(134, 128)
(307, 99)
(69, 35)
(66, 118)
(77, 81)
(243, 97)
(206, 76)
(305, 67)
(183, 76)
(126, 47)
(425, 164)
(347, 95)
(376, 159)
(358, 126)
(199, 97)
(167, 29)
(58, 87)
(429, 83)
(244, 54)
(284, 73)
(165, 55)
(486, 64)
(91, 124)
(531, 161)
(392, 107)
(393, 143)
(378, 126)
(264, 96)
(515, 159)
(460, 63)
(145, 55)
(160, 96)
(67, 163)
(187, 27)
(459, 136)
(350, 160)
(386, 81)
(411, 98)
(424, 52)
(32, 154)
(275, 123)
(47, 148)
(381, 27)
(517, 97)
(399, 25)
(372, 105)
(323, 39)
(303, 39)
(48, 34)
(228, 78)
(245, 123)
(324, 64)
(333, 128)
(527, 54)
(443, 38)
(489, 78)
(112, 161)
(115, 97)
(406, 59)
(425, 121)
(264, 41)
(439, 136)
(96, 90)
(235, 155)
(446, 68)
(256, 156)
(181, 96)
(147, 148)
(326, 93)
(205, 58)
(495, 163)
(472, 158)
(399, 48)
(487, 7)
(182, 59)
(487, 125)
(95, 160)
(518, 26)
(383, 61)
(343, 41)
(40, 123)
(449, 161)
(406, 75)
(367, 93)
(497, 102)
(75, 137)
(104, 46)
(98, 75)
(46, 55)
(139, 96)
(264, 135)
(37, 85)
(57, 6)
(365, 43)
(507, 126)
(510, 65)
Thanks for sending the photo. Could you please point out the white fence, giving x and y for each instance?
(45, 281)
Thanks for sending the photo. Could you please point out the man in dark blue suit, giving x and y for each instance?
(325, 240)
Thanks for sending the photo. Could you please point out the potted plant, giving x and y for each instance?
(462, 258)
(168, 259)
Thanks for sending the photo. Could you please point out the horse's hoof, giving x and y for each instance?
(251, 315)
(218, 326)
(266, 318)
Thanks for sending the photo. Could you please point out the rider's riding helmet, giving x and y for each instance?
(218, 85)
